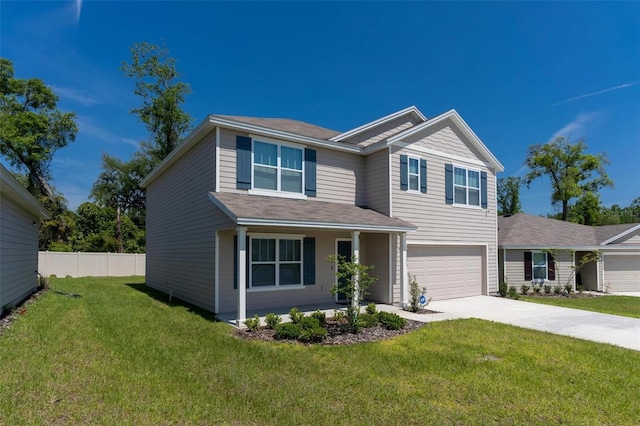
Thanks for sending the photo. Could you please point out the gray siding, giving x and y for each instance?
(514, 269)
(633, 238)
(588, 272)
(18, 252)
(180, 227)
(340, 175)
(377, 187)
(383, 131)
(377, 254)
(443, 223)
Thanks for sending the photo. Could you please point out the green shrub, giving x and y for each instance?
(580, 288)
(367, 320)
(568, 288)
(391, 321)
(320, 316)
(502, 289)
(288, 331)
(313, 335)
(513, 293)
(338, 316)
(536, 289)
(295, 315)
(272, 320)
(414, 294)
(252, 323)
(524, 289)
(557, 289)
(309, 322)
(371, 308)
(547, 289)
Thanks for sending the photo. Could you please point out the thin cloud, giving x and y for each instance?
(599, 92)
(78, 10)
(75, 95)
(88, 128)
(131, 141)
(578, 125)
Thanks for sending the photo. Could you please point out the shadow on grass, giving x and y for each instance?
(164, 298)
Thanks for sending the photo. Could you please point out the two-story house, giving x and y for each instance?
(243, 214)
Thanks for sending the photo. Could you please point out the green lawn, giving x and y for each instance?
(627, 306)
(122, 355)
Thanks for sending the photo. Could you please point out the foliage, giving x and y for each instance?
(502, 288)
(513, 293)
(618, 215)
(313, 335)
(288, 331)
(272, 320)
(320, 316)
(391, 321)
(371, 308)
(580, 288)
(570, 169)
(367, 320)
(32, 128)
(557, 289)
(308, 330)
(338, 315)
(295, 315)
(508, 193)
(524, 289)
(156, 82)
(357, 280)
(252, 323)
(547, 289)
(587, 210)
(568, 288)
(414, 295)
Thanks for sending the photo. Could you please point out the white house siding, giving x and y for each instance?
(377, 182)
(18, 252)
(340, 175)
(180, 229)
(514, 269)
(383, 131)
(443, 223)
(310, 294)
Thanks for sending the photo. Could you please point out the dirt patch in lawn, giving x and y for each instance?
(10, 315)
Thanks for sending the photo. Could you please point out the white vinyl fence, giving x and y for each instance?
(79, 264)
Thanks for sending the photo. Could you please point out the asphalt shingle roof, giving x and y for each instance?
(285, 125)
(272, 209)
(526, 230)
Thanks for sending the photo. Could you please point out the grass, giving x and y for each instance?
(627, 306)
(122, 354)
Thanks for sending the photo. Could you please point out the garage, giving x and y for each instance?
(622, 273)
(447, 271)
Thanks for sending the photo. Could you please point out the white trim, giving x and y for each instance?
(10, 186)
(620, 235)
(409, 158)
(461, 124)
(276, 262)
(619, 254)
(216, 275)
(217, 158)
(599, 268)
(454, 184)
(241, 313)
(391, 267)
(504, 268)
(355, 258)
(546, 266)
(274, 234)
(601, 249)
(447, 156)
(335, 265)
(412, 109)
(276, 288)
(403, 271)
(273, 141)
(446, 243)
(279, 194)
(390, 183)
(327, 225)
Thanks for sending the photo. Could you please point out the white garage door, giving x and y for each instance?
(622, 273)
(447, 272)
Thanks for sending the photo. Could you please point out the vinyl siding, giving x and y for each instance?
(377, 182)
(588, 272)
(445, 137)
(442, 223)
(633, 239)
(377, 254)
(383, 131)
(340, 176)
(180, 227)
(514, 269)
(18, 252)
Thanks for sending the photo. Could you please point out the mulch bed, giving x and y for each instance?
(336, 334)
(10, 315)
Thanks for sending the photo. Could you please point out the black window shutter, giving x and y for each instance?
(528, 266)
(448, 183)
(310, 172)
(483, 189)
(309, 261)
(235, 261)
(423, 176)
(551, 268)
(404, 173)
(243, 162)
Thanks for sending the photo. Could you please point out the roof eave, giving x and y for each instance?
(20, 194)
(620, 235)
(323, 225)
(410, 110)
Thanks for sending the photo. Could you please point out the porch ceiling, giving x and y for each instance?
(272, 211)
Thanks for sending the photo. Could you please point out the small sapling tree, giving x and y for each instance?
(353, 281)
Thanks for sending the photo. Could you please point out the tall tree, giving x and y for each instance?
(32, 128)
(587, 210)
(509, 195)
(156, 82)
(571, 170)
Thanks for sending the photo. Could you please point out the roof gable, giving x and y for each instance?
(11, 188)
(410, 111)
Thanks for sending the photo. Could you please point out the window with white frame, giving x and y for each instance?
(466, 186)
(277, 167)
(276, 262)
(414, 174)
(539, 263)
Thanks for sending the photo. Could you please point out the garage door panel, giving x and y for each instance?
(447, 272)
(622, 273)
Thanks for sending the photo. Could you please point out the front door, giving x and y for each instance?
(343, 248)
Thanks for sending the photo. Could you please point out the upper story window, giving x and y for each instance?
(277, 167)
(466, 186)
(414, 174)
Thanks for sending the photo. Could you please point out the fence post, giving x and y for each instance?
(107, 263)
(78, 266)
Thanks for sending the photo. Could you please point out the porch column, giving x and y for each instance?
(241, 313)
(355, 257)
(403, 270)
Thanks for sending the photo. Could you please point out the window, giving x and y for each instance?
(414, 174)
(277, 167)
(539, 261)
(466, 186)
(276, 262)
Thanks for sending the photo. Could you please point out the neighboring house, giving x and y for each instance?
(20, 216)
(244, 212)
(538, 250)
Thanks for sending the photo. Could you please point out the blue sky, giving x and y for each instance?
(518, 73)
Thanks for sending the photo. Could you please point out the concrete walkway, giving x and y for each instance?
(594, 326)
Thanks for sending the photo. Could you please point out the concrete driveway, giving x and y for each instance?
(594, 326)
